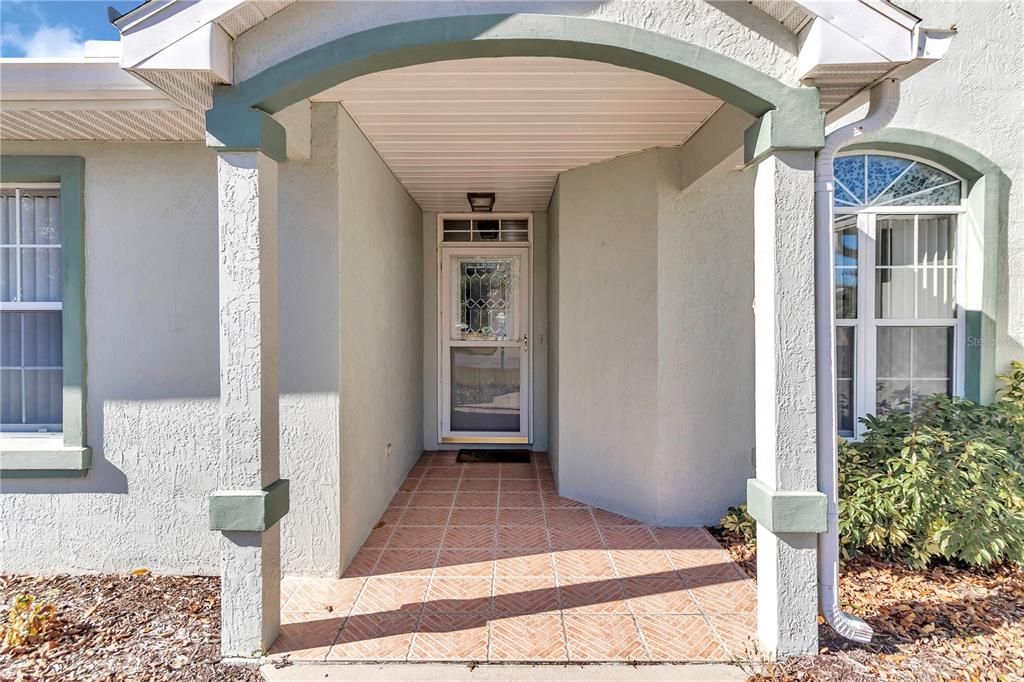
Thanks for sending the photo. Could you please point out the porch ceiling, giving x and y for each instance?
(510, 125)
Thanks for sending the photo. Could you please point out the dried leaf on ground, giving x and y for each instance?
(122, 627)
(943, 623)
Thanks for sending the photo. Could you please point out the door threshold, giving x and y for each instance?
(485, 440)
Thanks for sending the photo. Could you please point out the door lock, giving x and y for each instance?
(526, 343)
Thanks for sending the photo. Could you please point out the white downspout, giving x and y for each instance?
(885, 99)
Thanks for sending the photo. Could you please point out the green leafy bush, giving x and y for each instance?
(946, 482)
(739, 523)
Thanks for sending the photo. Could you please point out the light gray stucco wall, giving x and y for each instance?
(607, 326)
(152, 363)
(652, 337)
(554, 343)
(381, 334)
(310, 352)
(705, 340)
(538, 339)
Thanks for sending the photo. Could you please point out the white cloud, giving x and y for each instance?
(46, 41)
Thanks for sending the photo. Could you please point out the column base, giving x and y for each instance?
(787, 593)
(250, 590)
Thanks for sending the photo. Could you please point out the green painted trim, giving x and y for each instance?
(247, 510)
(249, 131)
(987, 187)
(45, 463)
(786, 511)
(508, 35)
(69, 171)
(773, 133)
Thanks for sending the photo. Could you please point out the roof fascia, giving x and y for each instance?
(56, 84)
(880, 26)
(144, 36)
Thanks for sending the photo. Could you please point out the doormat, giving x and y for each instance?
(470, 455)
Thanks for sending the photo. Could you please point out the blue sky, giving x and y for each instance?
(47, 28)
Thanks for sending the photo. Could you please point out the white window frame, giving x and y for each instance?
(48, 430)
(866, 325)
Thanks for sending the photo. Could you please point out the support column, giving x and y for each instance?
(250, 499)
(784, 498)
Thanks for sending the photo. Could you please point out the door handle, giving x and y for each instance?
(526, 343)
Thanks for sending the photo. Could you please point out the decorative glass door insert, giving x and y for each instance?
(485, 341)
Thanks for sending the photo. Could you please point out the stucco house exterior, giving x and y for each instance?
(244, 288)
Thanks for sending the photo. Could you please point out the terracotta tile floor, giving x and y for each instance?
(486, 562)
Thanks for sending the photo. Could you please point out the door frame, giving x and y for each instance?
(443, 383)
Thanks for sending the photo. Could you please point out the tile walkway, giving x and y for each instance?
(486, 562)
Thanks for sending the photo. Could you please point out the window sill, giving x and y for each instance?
(47, 457)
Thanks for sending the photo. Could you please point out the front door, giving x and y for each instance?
(485, 343)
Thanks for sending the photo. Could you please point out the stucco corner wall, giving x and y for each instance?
(381, 266)
(554, 344)
(651, 332)
(310, 310)
(705, 341)
(604, 284)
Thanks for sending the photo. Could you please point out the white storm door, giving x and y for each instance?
(485, 345)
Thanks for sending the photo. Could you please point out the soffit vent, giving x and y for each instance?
(839, 82)
(786, 12)
(193, 90)
(251, 13)
(150, 125)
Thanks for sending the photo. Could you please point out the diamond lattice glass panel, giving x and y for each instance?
(485, 389)
(486, 304)
(879, 180)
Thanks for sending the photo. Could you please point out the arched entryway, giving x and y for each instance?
(787, 131)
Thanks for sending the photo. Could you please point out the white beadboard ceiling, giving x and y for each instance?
(510, 125)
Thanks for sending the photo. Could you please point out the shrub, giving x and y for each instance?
(946, 482)
(739, 523)
(28, 621)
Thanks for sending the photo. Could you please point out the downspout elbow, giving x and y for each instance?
(885, 98)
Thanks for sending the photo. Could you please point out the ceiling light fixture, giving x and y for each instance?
(481, 202)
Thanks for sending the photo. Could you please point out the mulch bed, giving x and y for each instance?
(944, 623)
(122, 627)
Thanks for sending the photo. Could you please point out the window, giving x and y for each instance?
(898, 254)
(31, 372)
(492, 229)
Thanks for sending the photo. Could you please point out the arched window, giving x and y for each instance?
(898, 268)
